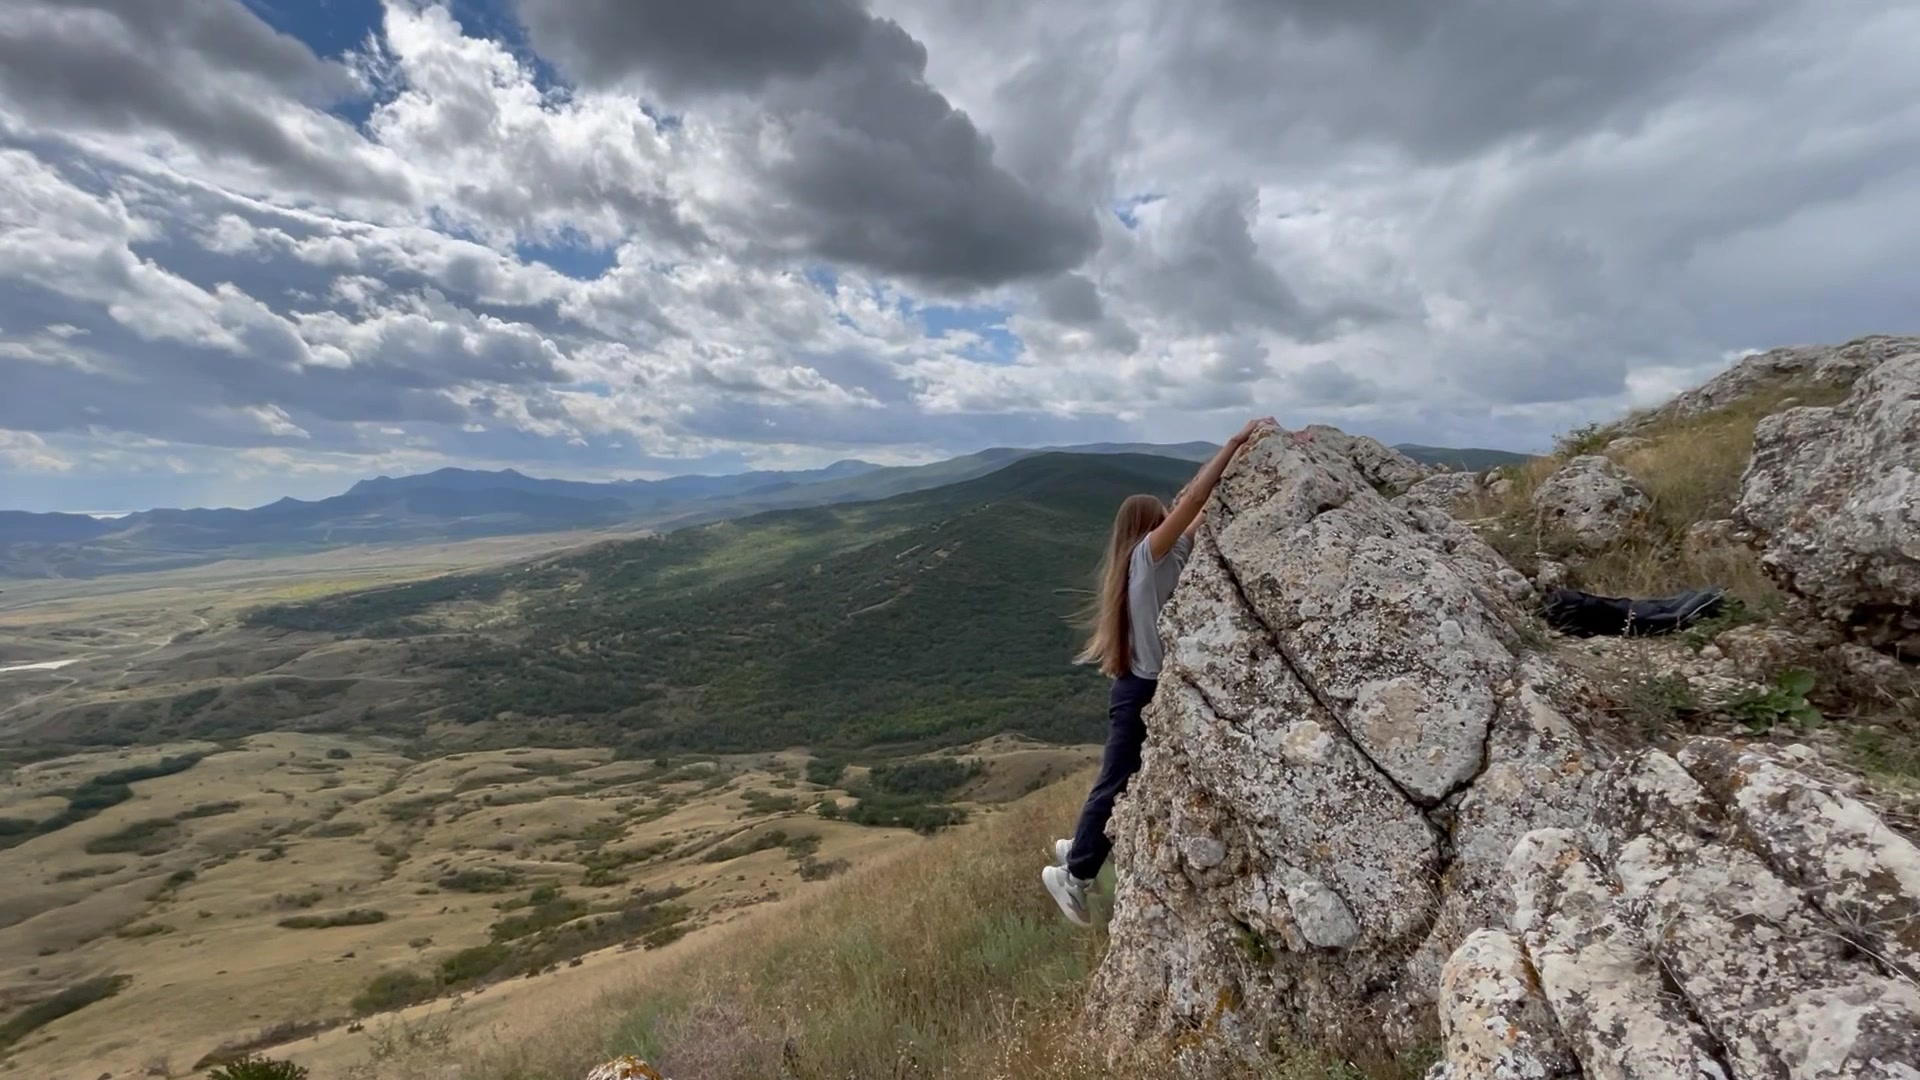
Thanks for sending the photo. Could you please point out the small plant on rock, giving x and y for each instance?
(258, 1068)
(1762, 710)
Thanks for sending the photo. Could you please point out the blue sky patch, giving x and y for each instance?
(1128, 209)
(999, 345)
(570, 255)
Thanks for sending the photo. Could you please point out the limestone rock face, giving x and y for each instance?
(1591, 499)
(1721, 915)
(1835, 495)
(1351, 728)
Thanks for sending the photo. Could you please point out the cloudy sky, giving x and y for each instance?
(261, 247)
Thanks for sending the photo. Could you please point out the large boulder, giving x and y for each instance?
(1592, 500)
(1835, 495)
(1350, 735)
(1723, 915)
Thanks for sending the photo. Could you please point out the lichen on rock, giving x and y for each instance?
(1592, 500)
(1835, 495)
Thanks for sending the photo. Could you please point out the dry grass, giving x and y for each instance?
(947, 960)
(1691, 470)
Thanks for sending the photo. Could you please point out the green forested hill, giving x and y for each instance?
(935, 617)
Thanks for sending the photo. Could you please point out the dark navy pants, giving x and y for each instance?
(1126, 734)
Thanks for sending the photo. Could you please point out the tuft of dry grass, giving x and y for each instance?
(947, 961)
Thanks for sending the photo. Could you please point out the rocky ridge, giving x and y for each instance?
(1376, 807)
(1352, 732)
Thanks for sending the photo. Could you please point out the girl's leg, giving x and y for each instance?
(1126, 734)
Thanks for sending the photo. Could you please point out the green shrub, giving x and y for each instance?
(212, 809)
(930, 778)
(484, 879)
(339, 753)
(734, 849)
(666, 935)
(356, 917)
(473, 963)
(393, 990)
(143, 930)
(258, 1068)
(825, 771)
(1762, 710)
(332, 830)
(548, 913)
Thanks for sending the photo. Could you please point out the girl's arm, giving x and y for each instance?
(1185, 514)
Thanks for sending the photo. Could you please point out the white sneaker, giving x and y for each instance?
(1061, 849)
(1069, 892)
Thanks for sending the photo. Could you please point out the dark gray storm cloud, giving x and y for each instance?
(1443, 80)
(708, 46)
(874, 167)
(133, 66)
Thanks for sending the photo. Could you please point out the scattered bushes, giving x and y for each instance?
(333, 830)
(212, 809)
(484, 879)
(258, 1068)
(242, 1050)
(393, 990)
(473, 963)
(550, 911)
(143, 930)
(759, 802)
(150, 836)
(339, 753)
(825, 771)
(929, 778)
(99, 793)
(355, 917)
(812, 869)
(68, 1001)
(739, 848)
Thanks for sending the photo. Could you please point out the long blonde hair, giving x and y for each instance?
(1109, 643)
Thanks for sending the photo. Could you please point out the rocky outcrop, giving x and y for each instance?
(1591, 500)
(1722, 916)
(1814, 365)
(1372, 814)
(1835, 495)
(1380, 465)
(1444, 491)
(1350, 736)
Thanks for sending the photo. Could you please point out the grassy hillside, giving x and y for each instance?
(1469, 458)
(947, 960)
(940, 616)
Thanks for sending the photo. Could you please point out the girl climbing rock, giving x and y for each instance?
(1144, 556)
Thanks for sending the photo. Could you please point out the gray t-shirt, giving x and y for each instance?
(1149, 584)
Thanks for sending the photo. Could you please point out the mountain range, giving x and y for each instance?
(456, 504)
